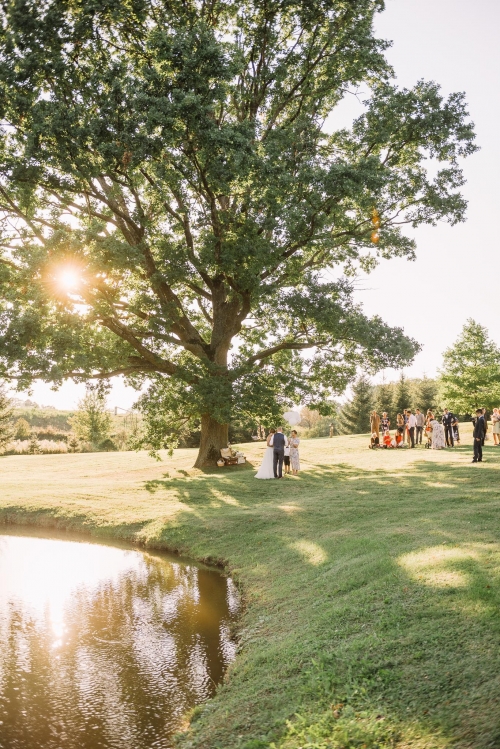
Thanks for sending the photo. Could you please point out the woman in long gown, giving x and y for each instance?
(266, 470)
(438, 440)
(294, 453)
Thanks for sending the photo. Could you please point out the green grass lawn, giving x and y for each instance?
(371, 583)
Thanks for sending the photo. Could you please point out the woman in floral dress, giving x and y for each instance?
(294, 453)
(495, 420)
(438, 440)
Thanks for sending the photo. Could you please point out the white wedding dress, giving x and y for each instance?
(266, 469)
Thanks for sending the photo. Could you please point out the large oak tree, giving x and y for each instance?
(177, 204)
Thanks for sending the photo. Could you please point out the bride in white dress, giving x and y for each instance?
(266, 470)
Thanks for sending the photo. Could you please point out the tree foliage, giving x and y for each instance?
(402, 398)
(470, 376)
(92, 421)
(354, 417)
(6, 431)
(167, 187)
(22, 429)
(426, 395)
(383, 397)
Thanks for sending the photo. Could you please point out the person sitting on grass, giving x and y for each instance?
(374, 441)
(387, 439)
(399, 439)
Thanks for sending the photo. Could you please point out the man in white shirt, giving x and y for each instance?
(420, 418)
(412, 423)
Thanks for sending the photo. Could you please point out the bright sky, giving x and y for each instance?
(457, 269)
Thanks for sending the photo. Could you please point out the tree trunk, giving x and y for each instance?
(213, 437)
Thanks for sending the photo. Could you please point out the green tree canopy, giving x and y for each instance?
(401, 396)
(425, 395)
(172, 205)
(383, 395)
(22, 429)
(92, 421)
(470, 376)
(6, 430)
(354, 417)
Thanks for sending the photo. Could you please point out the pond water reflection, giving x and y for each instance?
(102, 646)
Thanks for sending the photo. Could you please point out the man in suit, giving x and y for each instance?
(279, 442)
(478, 434)
(447, 421)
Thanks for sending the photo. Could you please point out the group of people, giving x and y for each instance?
(281, 451)
(412, 427)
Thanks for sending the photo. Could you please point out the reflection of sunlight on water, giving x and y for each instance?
(106, 647)
(44, 583)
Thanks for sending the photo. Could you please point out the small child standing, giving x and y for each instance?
(286, 459)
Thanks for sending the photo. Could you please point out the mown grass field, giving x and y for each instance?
(371, 582)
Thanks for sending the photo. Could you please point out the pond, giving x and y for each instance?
(105, 646)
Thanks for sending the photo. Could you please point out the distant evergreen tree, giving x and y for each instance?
(34, 445)
(383, 400)
(402, 396)
(426, 395)
(355, 415)
(6, 430)
(471, 374)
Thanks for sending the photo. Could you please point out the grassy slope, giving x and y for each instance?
(372, 583)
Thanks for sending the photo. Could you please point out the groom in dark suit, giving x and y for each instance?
(279, 443)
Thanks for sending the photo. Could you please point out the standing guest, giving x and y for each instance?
(485, 417)
(420, 418)
(294, 452)
(478, 435)
(385, 422)
(400, 424)
(447, 420)
(375, 423)
(428, 427)
(495, 421)
(406, 415)
(456, 432)
(438, 440)
(412, 423)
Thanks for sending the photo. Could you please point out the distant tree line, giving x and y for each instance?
(469, 379)
(391, 397)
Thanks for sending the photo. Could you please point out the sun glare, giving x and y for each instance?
(68, 279)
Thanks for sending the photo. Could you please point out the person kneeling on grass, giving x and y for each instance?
(374, 441)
